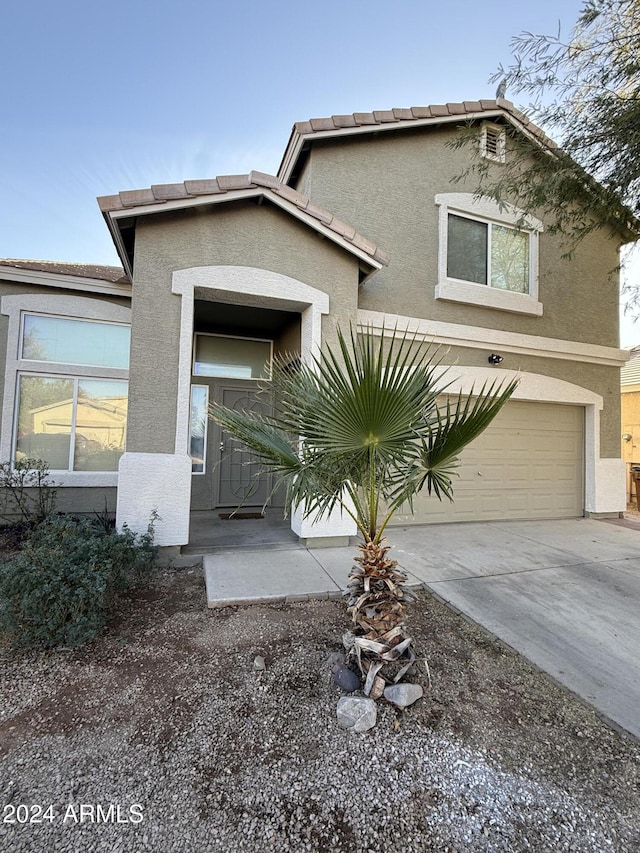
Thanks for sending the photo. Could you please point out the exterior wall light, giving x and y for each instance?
(494, 358)
(626, 436)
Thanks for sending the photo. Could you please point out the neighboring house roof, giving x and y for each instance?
(120, 210)
(395, 119)
(101, 273)
(91, 277)
(630, 373)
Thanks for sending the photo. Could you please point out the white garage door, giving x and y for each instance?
(528, 464)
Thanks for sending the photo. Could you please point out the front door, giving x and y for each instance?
(238, 473)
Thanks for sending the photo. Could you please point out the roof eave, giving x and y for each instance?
(297, 140)
(113, 217)
(62, 280)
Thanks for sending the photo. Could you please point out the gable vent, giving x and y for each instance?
(492, 142)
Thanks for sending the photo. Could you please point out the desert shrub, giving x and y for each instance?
(58, 590)
(27, 494)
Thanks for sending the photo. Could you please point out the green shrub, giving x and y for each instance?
(27, 495)
(58, 590)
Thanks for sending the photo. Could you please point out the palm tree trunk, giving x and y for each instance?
(377, 604)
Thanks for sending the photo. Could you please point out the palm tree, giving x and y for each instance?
(363, 428)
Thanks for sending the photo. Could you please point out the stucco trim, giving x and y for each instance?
(241, 286)
(478, 337)
(78, 307)
(160, 482)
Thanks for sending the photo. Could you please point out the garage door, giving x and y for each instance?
(528, 464)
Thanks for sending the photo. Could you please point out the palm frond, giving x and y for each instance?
(450, 429)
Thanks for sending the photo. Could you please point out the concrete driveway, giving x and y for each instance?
(566, 594)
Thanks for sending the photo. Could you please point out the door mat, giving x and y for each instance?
(226, 516)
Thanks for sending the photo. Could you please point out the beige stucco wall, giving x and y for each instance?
(239, 235)
(385, 187)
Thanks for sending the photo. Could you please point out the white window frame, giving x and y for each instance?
(488, 211)
(57, 305)
(235, 338)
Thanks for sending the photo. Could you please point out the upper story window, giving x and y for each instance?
(232, 358)
(488, 254)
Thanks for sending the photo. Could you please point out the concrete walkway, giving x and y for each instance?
(566, 594)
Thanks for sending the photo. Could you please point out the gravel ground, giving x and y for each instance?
(160, 736)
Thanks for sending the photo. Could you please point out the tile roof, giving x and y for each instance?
(115, 275)
(241, 185)
(397, 117)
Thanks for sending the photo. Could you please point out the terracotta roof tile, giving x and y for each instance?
(291, 195)
(421, 112)
(234, 182)
(110, 202)
(456, 109)
(319, 213)
(403, 114)
(342, 228)
(133, 198)
(165, 191)
(261, 179)
(322, 124)
(364, 118)
(344, 121)
(439, 110)
(473, 106)
(384, 115)
(207, 187)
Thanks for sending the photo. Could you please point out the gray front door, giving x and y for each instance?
(239, 478)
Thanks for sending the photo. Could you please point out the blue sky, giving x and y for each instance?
(102, 97)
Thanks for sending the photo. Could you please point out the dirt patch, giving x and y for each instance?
(166, 711)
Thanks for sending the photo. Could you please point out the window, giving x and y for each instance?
(232, 358)
(73, 424)
(66, 385)
(488, 254)
(198, 428)
(68, 341)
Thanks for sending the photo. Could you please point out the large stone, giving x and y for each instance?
(403, 694)
(346, 679)
(356, 713)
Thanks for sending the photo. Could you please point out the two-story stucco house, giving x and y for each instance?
(108, 372)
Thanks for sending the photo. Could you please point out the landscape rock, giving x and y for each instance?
(335, 658)
(403, 694)
(259, 663)
(356, 713)
(348, 640)
(346, 679)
